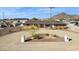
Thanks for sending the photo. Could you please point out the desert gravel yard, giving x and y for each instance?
(11, 42)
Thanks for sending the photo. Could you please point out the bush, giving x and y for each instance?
(37, 36)
(34, 27)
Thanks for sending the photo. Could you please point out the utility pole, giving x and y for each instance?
(3, 15)
(50, 12)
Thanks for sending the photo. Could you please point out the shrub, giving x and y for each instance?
(34, 27)
(37, 36)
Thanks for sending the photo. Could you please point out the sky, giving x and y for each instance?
(38, 12)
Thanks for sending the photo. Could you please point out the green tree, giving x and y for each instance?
(34, 18)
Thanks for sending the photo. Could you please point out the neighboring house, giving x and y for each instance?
(18, 23)
(46, 23)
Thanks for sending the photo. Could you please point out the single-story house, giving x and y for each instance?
(43, 23)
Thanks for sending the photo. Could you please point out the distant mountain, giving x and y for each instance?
(65, 16)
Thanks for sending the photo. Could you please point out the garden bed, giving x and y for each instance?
(44, 38)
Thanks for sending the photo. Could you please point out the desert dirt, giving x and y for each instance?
(11, 42)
